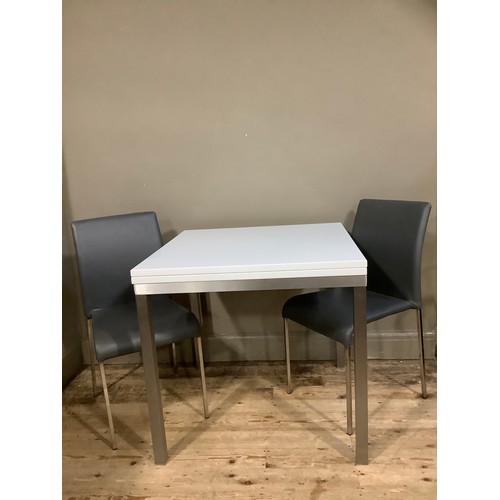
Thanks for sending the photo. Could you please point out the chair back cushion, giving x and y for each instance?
(107, 248)
(390, 233)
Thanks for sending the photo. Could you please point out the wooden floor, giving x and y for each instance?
(259, 442)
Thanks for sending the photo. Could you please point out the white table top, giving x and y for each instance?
(266, 252)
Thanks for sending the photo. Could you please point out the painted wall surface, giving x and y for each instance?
(73, 325)
(225, 113)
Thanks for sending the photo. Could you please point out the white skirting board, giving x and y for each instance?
(313, 347)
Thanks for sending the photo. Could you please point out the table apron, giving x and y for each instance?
(249, 284)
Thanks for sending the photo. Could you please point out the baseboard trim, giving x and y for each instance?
(381, 345)
(72, 362)
(303, 346)
(400, 345)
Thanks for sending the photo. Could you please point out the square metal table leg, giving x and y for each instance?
(361, 375)
(151, 374)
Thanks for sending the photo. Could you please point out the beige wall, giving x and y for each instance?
(249, 112)
(73, 322)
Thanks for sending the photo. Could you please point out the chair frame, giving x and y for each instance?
(199, 362)
(348, 377)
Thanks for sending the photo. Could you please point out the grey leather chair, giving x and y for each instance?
(390, 234)
(107, 248)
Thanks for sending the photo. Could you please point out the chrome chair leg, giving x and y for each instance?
(92, 360)
(348, 392)
(173, 356)
(199, 349)
(287, 357)
(108, 406)
(423, 379)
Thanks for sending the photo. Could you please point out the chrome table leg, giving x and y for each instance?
(361, 375)
(153, 392)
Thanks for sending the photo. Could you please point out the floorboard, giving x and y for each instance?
(259, 442)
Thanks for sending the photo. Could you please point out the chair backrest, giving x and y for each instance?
(390, 233)
(107, 248)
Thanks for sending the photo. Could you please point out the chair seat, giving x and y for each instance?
(116, 330)
(330, 312)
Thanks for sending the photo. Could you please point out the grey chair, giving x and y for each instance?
(107, 248)
(390, 234)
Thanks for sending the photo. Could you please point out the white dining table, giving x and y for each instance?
(299, 256)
